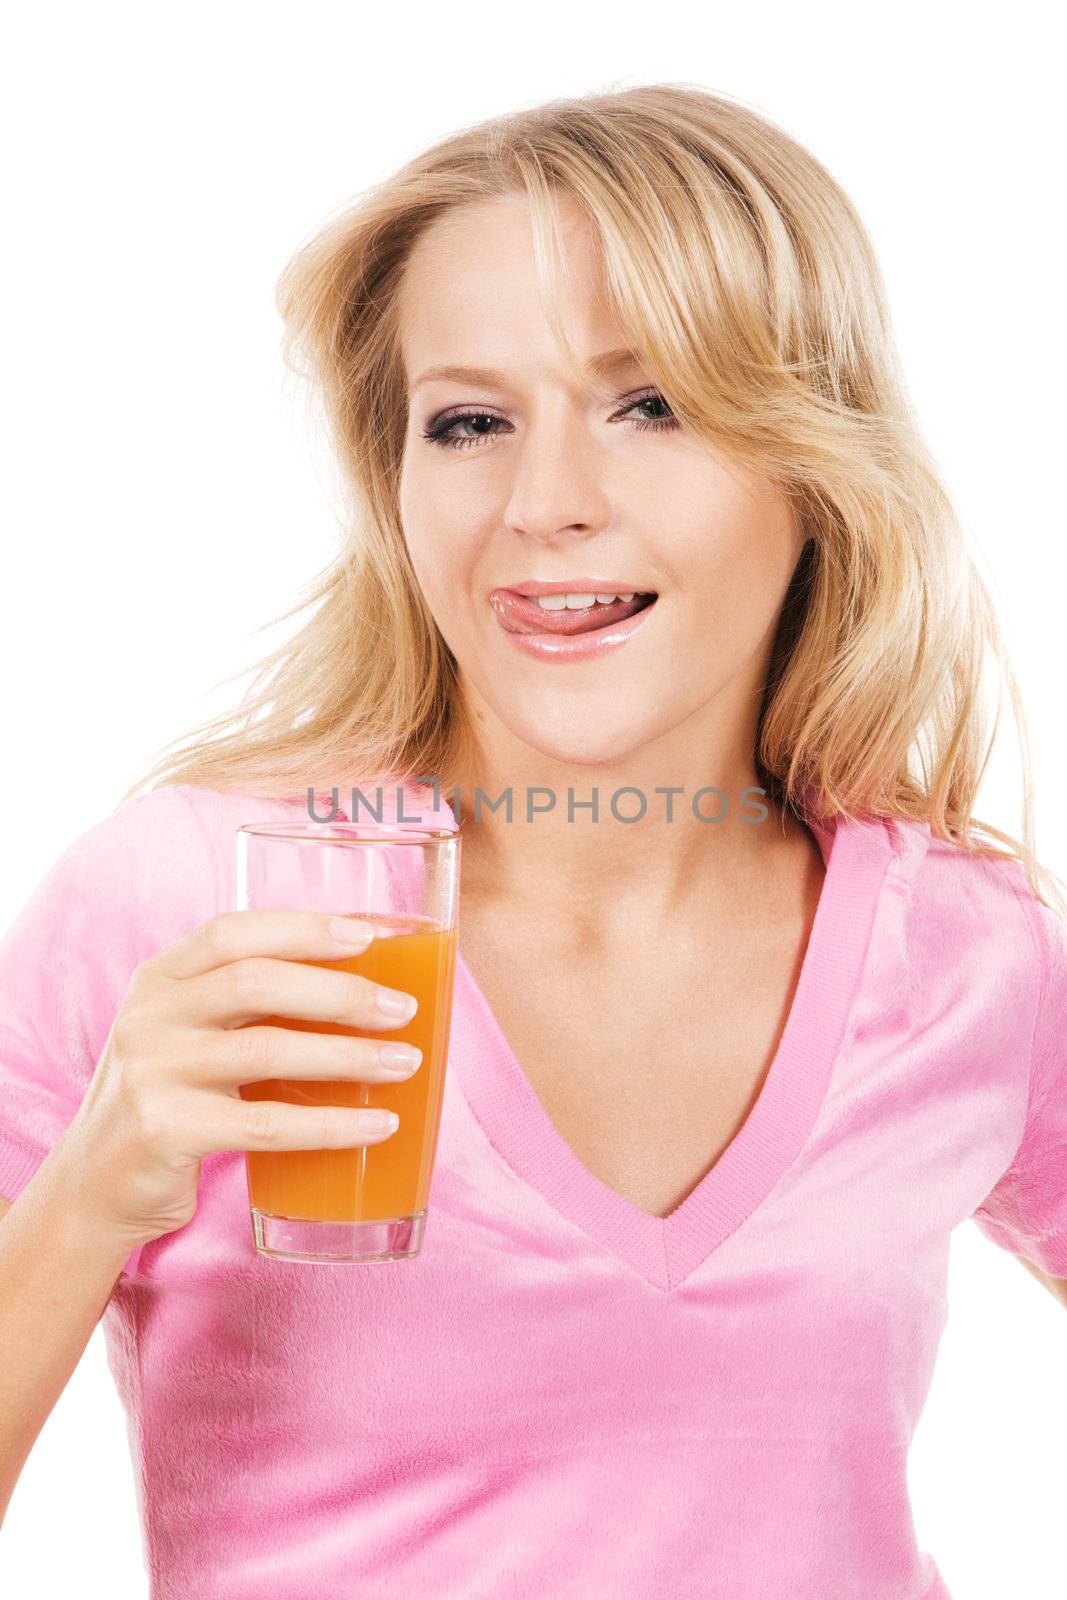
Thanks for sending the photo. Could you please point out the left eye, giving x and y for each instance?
(652, 400)
(441, 431)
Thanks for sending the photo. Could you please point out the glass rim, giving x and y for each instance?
(358, 833)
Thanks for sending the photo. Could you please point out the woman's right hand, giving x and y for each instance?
(165, 1091)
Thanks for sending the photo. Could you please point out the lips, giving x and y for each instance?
(519, 614)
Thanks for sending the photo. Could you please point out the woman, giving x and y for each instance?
(732, 1054)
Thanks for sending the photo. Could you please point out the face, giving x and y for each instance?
(517, 475)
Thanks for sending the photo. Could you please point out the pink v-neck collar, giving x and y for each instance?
(664, 1250)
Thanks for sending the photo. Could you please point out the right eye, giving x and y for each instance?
(440, 431)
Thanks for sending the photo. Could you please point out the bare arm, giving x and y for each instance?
(127, 1168)
(1055, 1286)
(58, 1266)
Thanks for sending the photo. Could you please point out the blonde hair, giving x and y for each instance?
(748, 284)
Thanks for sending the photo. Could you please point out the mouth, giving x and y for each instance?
(522, 614)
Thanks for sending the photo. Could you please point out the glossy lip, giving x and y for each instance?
(536, 586)
(521, 613)
(574, 647)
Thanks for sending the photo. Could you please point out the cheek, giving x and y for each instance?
(432, 573)
(413, 501)
(732, 570)
(443, 530)
(422, 518)
(441, 561)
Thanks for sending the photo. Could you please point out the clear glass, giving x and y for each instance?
(368, 1203)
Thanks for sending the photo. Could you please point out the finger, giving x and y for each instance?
(254, 1053)
(275, 1125)
(234, 935)
(261, 986)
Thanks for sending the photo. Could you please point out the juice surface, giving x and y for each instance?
(390, 1179)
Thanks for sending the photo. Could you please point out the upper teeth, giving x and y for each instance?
(556, 602)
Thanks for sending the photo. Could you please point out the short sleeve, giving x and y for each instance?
(123, 889)
(1026, 1212)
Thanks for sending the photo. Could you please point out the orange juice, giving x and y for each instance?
(391, 1178)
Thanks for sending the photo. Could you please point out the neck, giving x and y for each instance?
(531, 837)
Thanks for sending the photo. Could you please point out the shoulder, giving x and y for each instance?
(964, 920)
(961, 890)
(148, 871)
(180, 819)
(975, 924)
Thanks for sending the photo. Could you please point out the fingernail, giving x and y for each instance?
(378, 1121)
(397, 1005)
(347, 931)
(402, 1057)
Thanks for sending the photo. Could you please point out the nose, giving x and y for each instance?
(556, 486)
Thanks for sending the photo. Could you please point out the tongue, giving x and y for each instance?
(520, 614)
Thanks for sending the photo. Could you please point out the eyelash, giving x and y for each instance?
(438, 433)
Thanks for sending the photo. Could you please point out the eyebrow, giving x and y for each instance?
(600, 366)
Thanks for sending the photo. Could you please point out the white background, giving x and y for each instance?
(161, 498)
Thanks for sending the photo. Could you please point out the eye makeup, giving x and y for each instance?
(439, 430)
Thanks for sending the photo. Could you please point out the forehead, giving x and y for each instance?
(471, 291)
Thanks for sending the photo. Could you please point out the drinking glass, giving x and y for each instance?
(367, 1203)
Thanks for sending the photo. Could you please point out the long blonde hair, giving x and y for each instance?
(749, 286)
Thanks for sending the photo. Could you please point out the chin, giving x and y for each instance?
(585, 744)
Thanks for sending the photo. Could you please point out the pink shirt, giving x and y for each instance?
(564, 1396)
